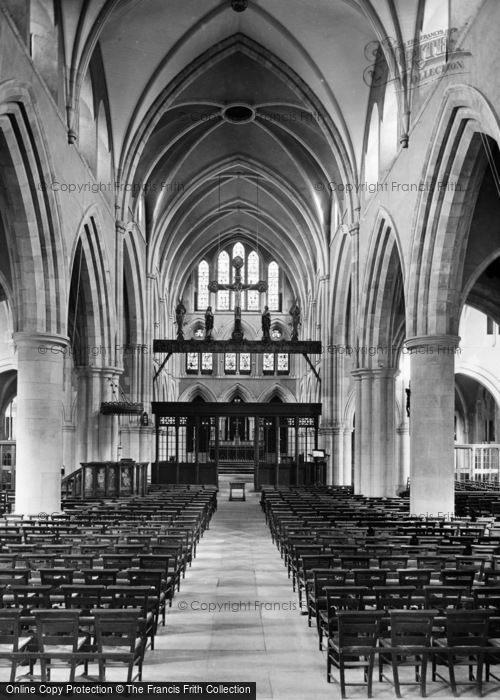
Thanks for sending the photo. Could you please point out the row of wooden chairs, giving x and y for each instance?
(102, 562)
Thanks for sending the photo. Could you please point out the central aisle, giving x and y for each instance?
(255, 633)
(236, 618)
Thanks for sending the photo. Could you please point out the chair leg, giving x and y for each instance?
(451, 671)
(479, 673)
(369, 680)
(342, 676)
(423, 676)
(395, 675)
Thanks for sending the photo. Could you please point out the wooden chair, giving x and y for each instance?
(316, 600)
(442, 598)
(353, 646)
(154, 578)
(59, 637)
(394, 597)
(409, 644)
(120, 639)
(100, 577)
(464, 645)
(128, 596)
(338, 598)
(83, 597)
(304, 576)
(12, 639)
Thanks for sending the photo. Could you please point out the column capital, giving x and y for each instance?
(46, 342)
(374, 372)
(439, 344)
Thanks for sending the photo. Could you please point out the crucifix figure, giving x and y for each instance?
(237, 287)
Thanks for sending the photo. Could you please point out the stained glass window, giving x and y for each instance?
(230, 363)
(207, 362)
(245, 363)
(223, 278)
(192, 362)
(253, 277)
(283, 363)
(268, 363)
(203, 293)
(273, 286)
(238, 251)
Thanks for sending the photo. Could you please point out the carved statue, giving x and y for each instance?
(209, 323)
(296, 321)
(266, 323)
(180, 312)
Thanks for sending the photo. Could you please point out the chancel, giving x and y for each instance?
(249, 246)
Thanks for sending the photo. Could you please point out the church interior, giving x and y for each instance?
(250, 343)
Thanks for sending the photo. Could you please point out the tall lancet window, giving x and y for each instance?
(253, 277)
(203, 293)
(223, 278)
(273, 281)
(238, 251)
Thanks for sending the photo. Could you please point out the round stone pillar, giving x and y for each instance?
(375, 465)
(40, 365)
(432, 410)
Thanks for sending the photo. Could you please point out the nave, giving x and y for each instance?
(238, 569)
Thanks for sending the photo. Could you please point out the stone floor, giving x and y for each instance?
(236, 619)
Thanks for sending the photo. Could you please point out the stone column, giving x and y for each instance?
(404, 455)
(384, 469)
(375, 471)
(40, 364)
(363, 436)
(432, 408)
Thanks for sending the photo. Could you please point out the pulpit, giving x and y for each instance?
(106, 480)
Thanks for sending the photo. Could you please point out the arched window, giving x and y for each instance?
(223, 278)
(239, 251)
(202, 299)
(273, 290)
(252, 278)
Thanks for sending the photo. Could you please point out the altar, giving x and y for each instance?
(234, 450)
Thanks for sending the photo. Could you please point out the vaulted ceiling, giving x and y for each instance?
(238, 122)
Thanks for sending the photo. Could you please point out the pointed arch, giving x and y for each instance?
(277, 390)
(31, 215)
(382, 303)
(453, 171)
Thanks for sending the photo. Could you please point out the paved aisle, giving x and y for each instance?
(256, 632)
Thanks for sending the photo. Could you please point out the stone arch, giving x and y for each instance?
(198, 389)
(30, 216)
(383, 301)
(282, 392)
(89, 303)
(235, 390)
(452, 178)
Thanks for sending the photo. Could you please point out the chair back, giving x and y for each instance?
(10, 628)
(100, 577)
(411, 627)
(465, 628)
(370, 577)
(57, 628)
(415, 577)
(118, 630)
(443, 597)
(394, 597)
(358, 630)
